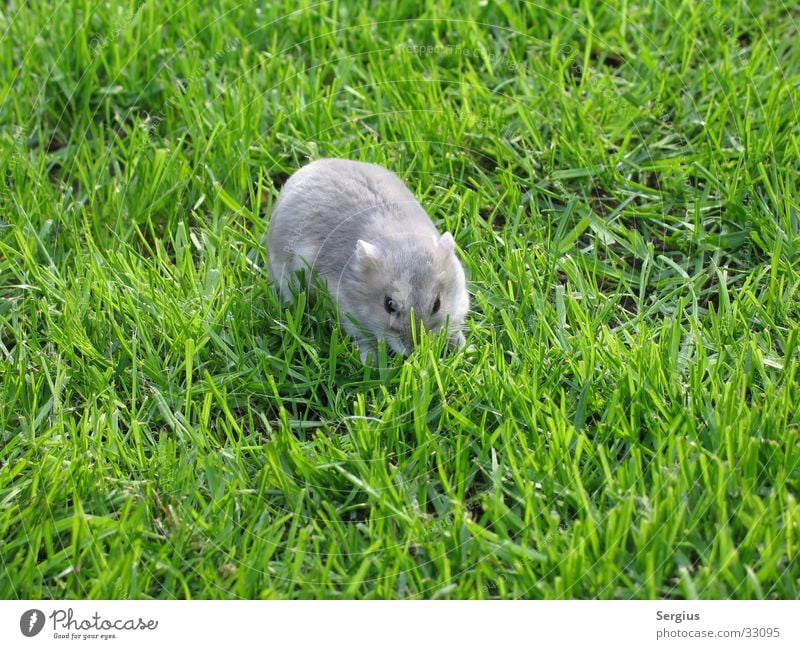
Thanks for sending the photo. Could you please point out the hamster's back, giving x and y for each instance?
(327, 205)
(335, 189)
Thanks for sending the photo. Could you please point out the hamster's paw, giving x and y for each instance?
(458, 340)
(369, 356)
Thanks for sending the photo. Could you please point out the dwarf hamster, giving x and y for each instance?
(359, 228)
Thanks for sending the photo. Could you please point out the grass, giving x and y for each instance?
(622, 182)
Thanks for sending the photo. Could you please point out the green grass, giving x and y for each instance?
(622, 181)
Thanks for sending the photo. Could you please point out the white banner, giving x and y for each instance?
(379, 624)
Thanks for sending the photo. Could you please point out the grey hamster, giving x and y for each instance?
(359, 228)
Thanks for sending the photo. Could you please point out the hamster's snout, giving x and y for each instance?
(402, 342)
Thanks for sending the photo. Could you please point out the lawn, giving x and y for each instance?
(622, 183)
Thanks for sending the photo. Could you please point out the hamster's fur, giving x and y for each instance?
(359, 228)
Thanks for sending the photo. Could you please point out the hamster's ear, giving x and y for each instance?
(446, 244)
(368, 255)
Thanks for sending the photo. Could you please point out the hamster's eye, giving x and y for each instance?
(436, 304)
(389, 304)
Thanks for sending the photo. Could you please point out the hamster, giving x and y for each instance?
(359, 228)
